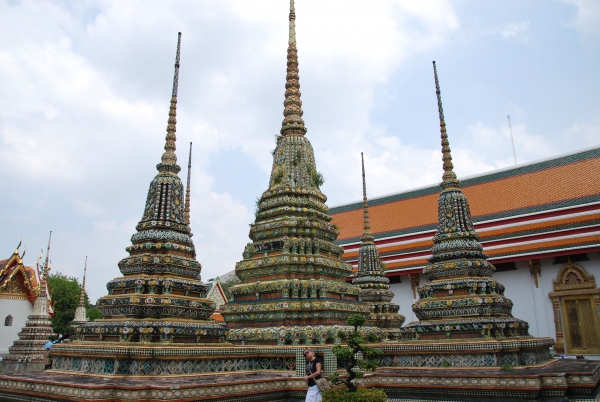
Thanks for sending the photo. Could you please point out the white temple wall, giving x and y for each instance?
(19, 309)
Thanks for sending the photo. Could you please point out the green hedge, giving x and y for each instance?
(361, 395)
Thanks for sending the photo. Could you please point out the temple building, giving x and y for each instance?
(294, 289)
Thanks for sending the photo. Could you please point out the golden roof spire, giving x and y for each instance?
(292, 123)
(82, 296)
(449, 177)
(186, 209)
(169, 159)
(367, 235)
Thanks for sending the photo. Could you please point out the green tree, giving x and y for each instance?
(65, 292)
(356, 367)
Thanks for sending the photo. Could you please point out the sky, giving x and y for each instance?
(85, 89)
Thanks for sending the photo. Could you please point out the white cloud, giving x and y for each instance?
(494, 144)
(512, 30)
(587, 135)
(587, 20)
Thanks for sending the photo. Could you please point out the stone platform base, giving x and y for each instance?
(564, 380)
(21, 367)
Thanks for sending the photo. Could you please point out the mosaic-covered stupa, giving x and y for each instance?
(461, 299)
(370, 276)
(160, 297)
(29, 348)
(80, 312)
(294, 289)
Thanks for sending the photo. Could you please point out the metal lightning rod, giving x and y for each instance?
(512, 141)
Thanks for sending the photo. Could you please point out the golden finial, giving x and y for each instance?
(292, 123)
(449, 177)
(186, 209)
(18, 246)
(169, 157)
(367, 235)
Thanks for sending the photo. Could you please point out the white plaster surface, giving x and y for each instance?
(19, 309)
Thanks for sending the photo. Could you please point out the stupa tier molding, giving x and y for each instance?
(131, 332)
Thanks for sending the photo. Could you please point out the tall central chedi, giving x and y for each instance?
(294, 289)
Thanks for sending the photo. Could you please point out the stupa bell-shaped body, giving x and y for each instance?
(294, 288)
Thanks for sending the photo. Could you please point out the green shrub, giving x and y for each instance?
(361, 395)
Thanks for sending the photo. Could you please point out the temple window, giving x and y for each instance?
(8, 321)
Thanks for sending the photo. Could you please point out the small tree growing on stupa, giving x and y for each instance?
(356, 367)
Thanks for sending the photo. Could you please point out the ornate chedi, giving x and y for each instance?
(370, 277)
(160, 297)
(294, 289)
(80, 312)
(461, 300)
(29, 348)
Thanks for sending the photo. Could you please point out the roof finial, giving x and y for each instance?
(449, 177)
(169, 159)
(18, 246)
(292, 123)
(186, 209)
(82, 296)
(367, 235)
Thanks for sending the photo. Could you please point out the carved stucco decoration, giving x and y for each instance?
(536, 270)
(572, 280)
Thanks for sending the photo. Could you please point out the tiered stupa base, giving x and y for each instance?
(244, 374)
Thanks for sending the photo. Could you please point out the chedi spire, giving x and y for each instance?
(169, 159)
(461, 300)
(80, 312)
(371, 278)
(160, 297)
(292, 123)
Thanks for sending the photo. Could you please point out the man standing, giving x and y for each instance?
(313, 372)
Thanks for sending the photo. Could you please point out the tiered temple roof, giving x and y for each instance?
(18, 281)
(160, 297)
(370, 276)
(294, 288)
